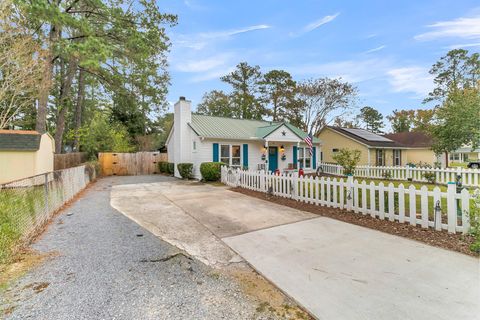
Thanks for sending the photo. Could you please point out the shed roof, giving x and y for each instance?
(19, 140)
(239, 129)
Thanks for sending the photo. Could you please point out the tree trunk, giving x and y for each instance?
(79, 108)
(44, 92)
(65, 90)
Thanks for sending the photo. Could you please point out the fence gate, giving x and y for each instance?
(130, 164)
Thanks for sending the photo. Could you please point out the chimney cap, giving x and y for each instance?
(182, 98)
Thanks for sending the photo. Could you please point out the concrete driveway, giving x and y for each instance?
(194, 216)
(334, 269)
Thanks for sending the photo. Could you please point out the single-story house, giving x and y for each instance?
(378, 150)
(239, 143)
(24, 154)
(464, 154)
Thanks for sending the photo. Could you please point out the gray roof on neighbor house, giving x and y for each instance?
(240, 129)
(369, 138)
(19, 140)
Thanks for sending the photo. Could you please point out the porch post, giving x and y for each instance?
(266, 156)
(298, 148)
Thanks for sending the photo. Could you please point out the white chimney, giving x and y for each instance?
(181, 118)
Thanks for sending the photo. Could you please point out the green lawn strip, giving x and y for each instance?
(396, 184)
(19, 208)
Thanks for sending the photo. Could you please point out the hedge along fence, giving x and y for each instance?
(429, 209)
(470, 177)
(26, 205)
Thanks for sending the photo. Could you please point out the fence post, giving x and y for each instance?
(451, 206)
(47, 204)
(350, 194)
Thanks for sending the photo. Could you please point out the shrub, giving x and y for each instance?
(475, 222)
(162, 166)
(211, 171)
(348, 159)
(170, 168)
(387, 175)
(185, 170)
(430, 177)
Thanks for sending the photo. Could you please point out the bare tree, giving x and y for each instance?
(324, 98)
(20, 65)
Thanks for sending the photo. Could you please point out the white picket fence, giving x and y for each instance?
(435, 209)
(470, 177)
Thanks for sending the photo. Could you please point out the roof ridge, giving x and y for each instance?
(230, 118)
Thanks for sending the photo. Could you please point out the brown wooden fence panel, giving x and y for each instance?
(69, 160)
(130, 164)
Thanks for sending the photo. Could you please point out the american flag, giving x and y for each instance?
(309, 141)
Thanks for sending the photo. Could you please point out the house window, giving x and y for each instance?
(380, 157)
(230, 155)
(304, 158)
(194, 145)
(455, 157)
(334, 150)
(397, 157)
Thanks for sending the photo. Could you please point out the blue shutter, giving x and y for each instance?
(245, 155)
(215, 152)
(314, 164)
(295, 161)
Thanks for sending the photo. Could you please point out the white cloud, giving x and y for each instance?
(214, 74)
(193, 5)
(349, 70)
(413, 79)
(199, 41)
(314, 25)
(464, 45)
(375, 49)
(465, 28)
(229, 33)
(202, 65)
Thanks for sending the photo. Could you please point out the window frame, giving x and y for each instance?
(302, 159)
(380, 155)
(397, 155)
(230, 156)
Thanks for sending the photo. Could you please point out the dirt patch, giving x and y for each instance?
(442, 239)
(24, 261)
(269, 298)
(39, 287)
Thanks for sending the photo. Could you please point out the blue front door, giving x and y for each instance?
(272, 158)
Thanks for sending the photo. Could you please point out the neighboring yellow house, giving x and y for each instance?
(24, 154)
(390, 150)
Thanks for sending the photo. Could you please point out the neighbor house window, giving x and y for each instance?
(397, 157)
(304, 158)
(455, 157)
(380, 157)
(230, 155)
(334, 150)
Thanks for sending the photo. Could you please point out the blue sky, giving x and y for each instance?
(384, 47)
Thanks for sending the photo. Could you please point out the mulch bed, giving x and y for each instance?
(442, 239)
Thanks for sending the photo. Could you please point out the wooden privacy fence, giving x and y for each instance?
(130, 164)
(69, 160)
(470, 177)
(430, 209)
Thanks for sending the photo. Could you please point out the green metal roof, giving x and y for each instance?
(11, 140)
(241, 129)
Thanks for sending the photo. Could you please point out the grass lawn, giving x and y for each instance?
(18, 209)
(406, 184)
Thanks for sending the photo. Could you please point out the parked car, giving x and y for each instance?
(474, 164)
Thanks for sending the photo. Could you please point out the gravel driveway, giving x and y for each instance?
(108, 267)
